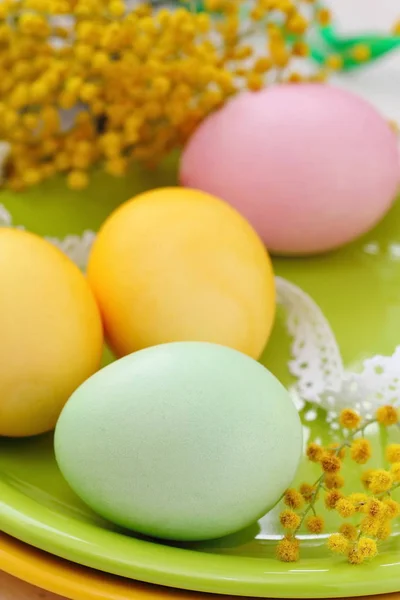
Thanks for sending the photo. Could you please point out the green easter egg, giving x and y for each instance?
(183, 441)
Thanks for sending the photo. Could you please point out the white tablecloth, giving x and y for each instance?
(379, 81)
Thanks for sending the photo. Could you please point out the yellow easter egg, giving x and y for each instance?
(176, 264)
(51, 333)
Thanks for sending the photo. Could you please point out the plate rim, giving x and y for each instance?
(187, 569)
(75, 582)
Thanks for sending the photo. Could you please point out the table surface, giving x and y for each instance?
(378, 83)
(14, 589)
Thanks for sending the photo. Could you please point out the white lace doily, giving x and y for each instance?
(316, 362)
(77, 247)
(317, 365)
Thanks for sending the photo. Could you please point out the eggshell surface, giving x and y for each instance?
(183, 441)
(180, 265)
(51, 333)
(312, 167)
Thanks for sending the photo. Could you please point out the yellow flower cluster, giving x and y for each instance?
(132, 84)
(377, 512)
(356, 550)
(349, 419)
(288, 549)
(375, 508)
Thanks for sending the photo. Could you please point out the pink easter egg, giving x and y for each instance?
(311, 166)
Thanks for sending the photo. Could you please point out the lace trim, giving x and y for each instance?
(316, 361)
(77, 247)
(317, 365)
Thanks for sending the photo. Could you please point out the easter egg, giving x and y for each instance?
(51, 333)
(180, 265)
(183, 441)
(311, 167)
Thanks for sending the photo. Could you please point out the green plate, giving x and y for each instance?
(358, 289)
